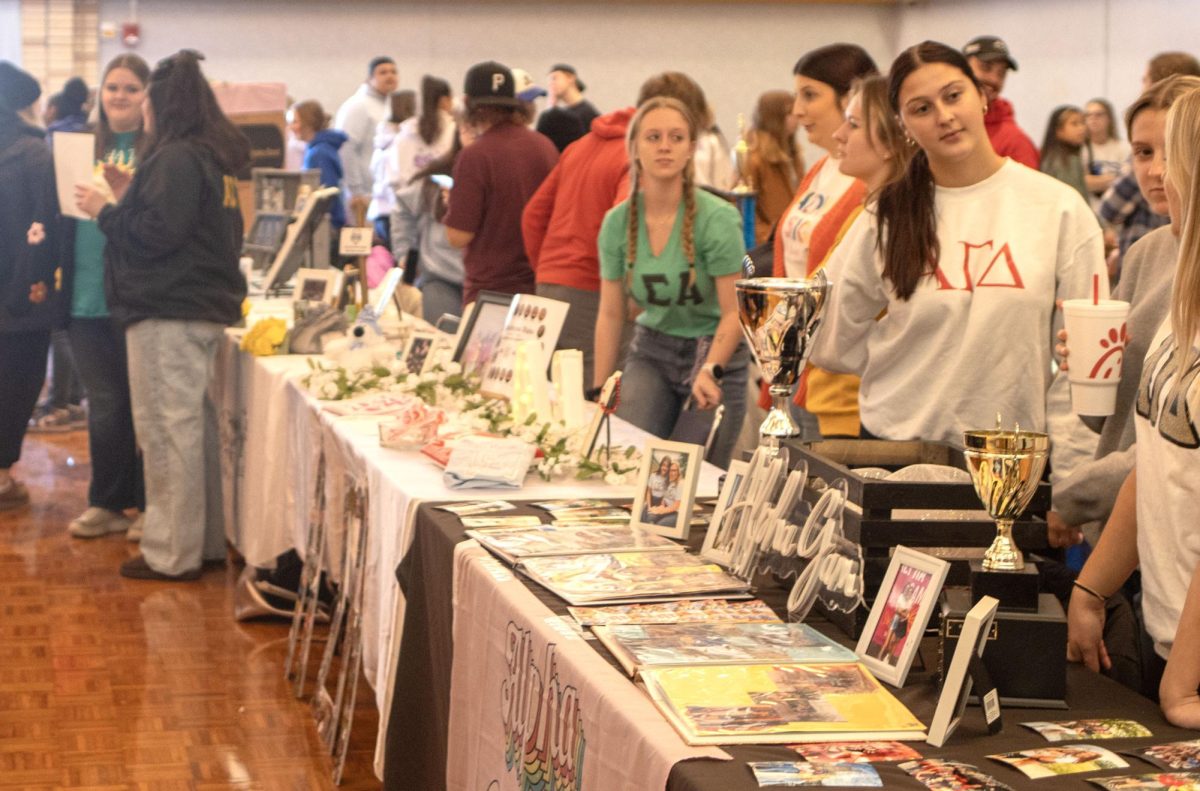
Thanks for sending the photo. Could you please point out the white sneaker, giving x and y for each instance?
(135, 530)
(96, 522)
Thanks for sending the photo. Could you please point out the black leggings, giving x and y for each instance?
(22, 373)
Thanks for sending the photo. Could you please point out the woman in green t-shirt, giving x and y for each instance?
(676, 251)
(97, 342)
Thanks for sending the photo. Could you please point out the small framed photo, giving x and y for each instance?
(902, 608)
(480, 332)
(418, 353)
(722, 528)
(977, 627)
(318, 286)
(666, 488)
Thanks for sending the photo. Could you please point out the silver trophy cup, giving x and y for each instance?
(779, 316)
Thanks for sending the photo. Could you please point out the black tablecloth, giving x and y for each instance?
(415, 756)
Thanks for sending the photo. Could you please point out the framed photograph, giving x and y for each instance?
(481, 330)
(666, 488)
(722, 528)
(606, 403)
(977, 625)
(318, 285)
(902, 608)
(418, 353)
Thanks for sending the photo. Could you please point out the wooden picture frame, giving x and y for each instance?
(481, 330)
(721, 535)
(667, 480)
(318, 286)
(905, 602)
(976, 628)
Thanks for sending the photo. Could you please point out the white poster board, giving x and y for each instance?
(74, 164)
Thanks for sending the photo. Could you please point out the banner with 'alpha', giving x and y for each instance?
(533, 707)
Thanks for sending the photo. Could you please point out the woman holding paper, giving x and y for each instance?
(963, 256)
(28, 222)
(173, 282)
(1153, 523)
(676, 251)
(97, 341)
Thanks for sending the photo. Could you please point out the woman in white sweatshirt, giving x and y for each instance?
(943, 292)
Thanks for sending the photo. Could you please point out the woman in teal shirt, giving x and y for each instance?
(97, 342)
(676, 251)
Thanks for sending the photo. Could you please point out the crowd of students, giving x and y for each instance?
(949, 252)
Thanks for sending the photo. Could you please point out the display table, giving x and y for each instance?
(273, 434)
(417, 748)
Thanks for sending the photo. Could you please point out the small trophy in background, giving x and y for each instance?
(745, 191)
(1006, 467)
(779, 316)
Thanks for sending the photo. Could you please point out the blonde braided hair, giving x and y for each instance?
(689, 189)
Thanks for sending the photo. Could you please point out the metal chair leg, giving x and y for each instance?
(304, 613)
(326, 721)
(347, 687)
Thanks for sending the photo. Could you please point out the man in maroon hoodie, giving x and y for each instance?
(991, 61)
(562, 219)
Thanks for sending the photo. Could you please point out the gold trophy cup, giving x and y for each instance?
(779, 316)
(1005, 467)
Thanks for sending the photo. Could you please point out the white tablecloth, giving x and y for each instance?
(273, 432)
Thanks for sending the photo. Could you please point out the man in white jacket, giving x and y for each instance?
(358, 117)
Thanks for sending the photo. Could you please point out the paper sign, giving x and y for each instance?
(356, 241)
(74, 164)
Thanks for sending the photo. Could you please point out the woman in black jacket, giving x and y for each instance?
(172, 280)
(28, 212)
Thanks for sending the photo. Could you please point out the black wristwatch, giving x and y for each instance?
(714, 370)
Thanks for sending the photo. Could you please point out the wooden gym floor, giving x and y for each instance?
(108, 683)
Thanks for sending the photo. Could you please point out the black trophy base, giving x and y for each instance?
(1017, 591)
(1024, 653)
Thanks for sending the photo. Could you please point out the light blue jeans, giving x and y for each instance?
(656, 382)
(170, 366)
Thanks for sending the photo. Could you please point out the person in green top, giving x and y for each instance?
(676, 251)
(97, 342)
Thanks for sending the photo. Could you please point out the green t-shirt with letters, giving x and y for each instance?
(87, 297)
(659, 283)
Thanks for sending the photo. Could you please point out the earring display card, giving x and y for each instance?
(530, 318)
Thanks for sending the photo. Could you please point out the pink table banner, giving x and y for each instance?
(532, 705)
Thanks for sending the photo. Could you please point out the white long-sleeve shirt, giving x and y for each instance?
(358, 117)
(977, 337)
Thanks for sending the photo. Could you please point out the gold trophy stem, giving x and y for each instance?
(1003, 554)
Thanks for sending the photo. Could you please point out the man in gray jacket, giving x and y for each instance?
(358, 117)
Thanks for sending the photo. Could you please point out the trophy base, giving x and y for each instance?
(1016, 590)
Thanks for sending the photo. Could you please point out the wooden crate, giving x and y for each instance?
(870, 522)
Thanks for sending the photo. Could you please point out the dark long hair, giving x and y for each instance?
(429, 124)
(836, 65)
(104, 132)
(1055, 151)
(907, 227)
(431, 194)
(185, 108)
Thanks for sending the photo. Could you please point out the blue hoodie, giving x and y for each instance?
(322, 154)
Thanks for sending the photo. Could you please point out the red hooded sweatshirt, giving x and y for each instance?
(562, 219)
(1007, 138)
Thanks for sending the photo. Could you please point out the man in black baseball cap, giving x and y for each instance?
(494, 178)
(991, 61)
